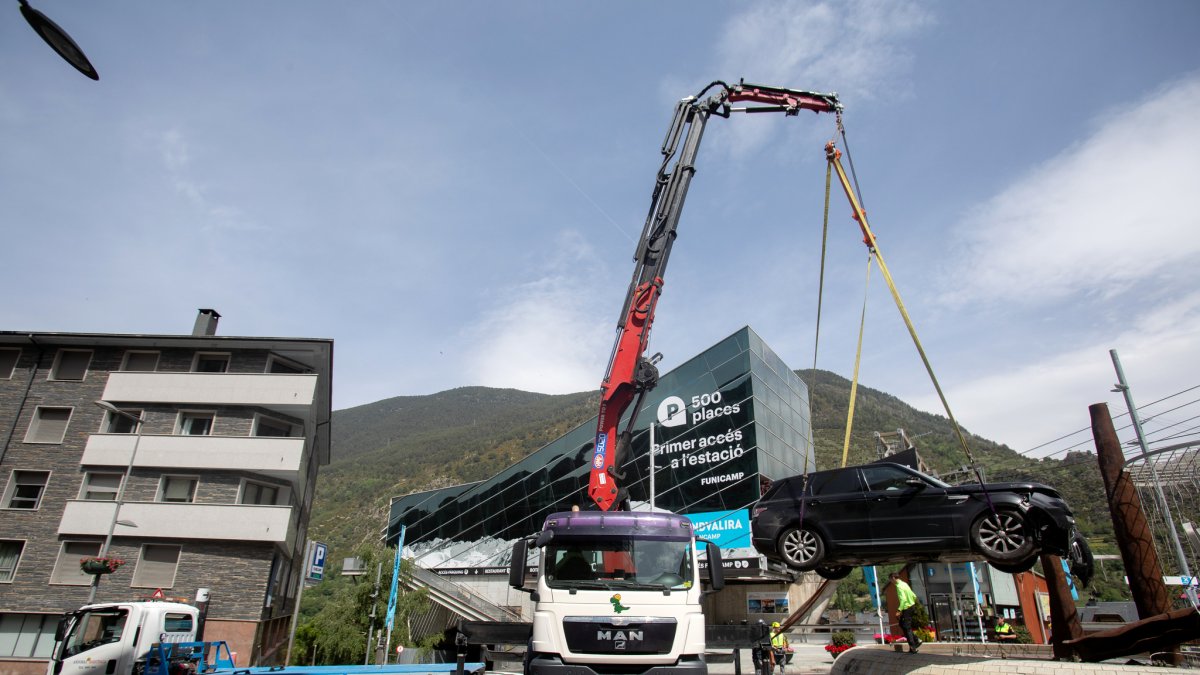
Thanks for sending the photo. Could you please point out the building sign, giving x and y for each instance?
(476, 571)
(767, 603)
(316, 560)
(736, 566)
(726, 529)
(704, 452)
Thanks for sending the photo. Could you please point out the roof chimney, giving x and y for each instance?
(206, 323)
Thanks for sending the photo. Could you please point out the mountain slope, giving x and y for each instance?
(405, 444)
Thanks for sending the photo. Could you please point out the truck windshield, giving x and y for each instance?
(620, 563)
(92, 628)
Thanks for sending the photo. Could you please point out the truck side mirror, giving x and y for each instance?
(61, 630)
(716, 574)
(516, 566)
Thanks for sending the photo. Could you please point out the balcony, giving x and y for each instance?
(161, 520)
(292, 394)
(280, 458)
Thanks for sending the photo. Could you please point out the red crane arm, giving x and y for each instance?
(630, 373)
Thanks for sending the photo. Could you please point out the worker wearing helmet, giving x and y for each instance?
(779, 647)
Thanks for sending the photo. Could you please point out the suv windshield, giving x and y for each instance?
(619, 564)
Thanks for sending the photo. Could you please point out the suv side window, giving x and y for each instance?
(881, 478)
(836, 483)
(787, 489)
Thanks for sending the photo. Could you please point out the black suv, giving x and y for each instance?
(883, 513)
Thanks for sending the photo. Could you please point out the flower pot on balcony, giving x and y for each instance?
(94, 567)
(100, 565)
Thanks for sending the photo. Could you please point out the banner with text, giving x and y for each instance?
(726, 529)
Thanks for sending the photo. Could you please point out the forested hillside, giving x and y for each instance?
(411, 443)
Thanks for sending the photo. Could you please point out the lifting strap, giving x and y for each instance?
(857, 360)
(812, 439)
(833, 155)
(821, 278)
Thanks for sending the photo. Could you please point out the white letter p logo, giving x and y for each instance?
(672, 412)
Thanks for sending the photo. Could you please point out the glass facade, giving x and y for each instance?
(725, 423)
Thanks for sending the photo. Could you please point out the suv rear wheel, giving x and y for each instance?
(1016, 567)
(801, 548)
(834, 572)
(1003, 536)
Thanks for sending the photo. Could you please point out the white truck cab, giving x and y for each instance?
(617, 592)
(114, 638)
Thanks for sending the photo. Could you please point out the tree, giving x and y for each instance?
(337, 632)
(852, 594)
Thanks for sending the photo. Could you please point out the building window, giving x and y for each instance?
(10, 555)
(259, 493)
(210, 363)
(101, 486)
(27, 636)
(66, 568)
(196, 423)
(278, 364)
(120, 424)
(49, 425)
(25, 489)
(71, 364)
(141, 362)
(8, 362)
(267, 426)
(180, 489)
(156, 567)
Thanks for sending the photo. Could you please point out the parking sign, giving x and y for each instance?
(316, 561)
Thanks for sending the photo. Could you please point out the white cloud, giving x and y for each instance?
(548, 334)
(176, 157)
(852, 47)
(1031, 403)
(1099, 217)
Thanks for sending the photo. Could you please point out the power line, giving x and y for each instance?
(1028, 452)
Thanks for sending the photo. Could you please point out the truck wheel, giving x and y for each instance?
(801, 548)
(1003, 536)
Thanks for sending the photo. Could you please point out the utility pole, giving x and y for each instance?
(371, 618)
(1123, 387)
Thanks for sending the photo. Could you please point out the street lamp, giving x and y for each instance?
(58, 40)
(137, 428)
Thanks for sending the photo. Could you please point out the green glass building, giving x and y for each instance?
(726, 423)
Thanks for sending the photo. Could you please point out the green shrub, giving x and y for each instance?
(843, 638)
(920, 615)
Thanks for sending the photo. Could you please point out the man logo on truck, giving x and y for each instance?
(619, 638)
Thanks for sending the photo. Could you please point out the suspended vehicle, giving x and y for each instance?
(883, 512)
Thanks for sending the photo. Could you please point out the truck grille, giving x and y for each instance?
(626, 635)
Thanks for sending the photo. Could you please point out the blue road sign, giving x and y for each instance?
(316, 561)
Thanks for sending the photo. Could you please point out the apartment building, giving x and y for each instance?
(212, 489)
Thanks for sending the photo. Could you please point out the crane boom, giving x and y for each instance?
(630, 372)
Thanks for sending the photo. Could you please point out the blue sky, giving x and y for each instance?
(452, 191)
